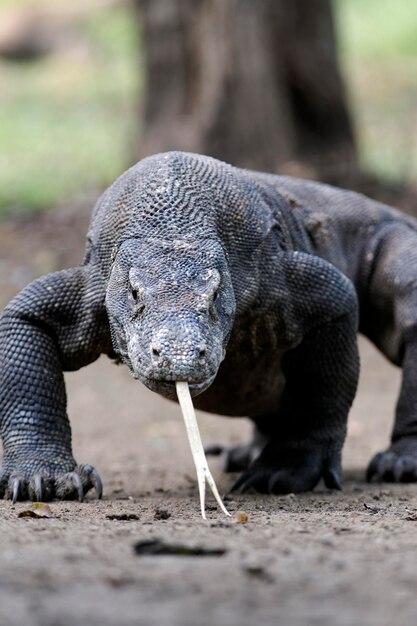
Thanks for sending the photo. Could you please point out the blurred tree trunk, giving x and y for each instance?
(253, 82)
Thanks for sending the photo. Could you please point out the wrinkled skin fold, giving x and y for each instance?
(249, 287)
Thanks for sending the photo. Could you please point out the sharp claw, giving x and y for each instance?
(16, 485)
(332, 479)
(98, 484)
(239, 483)
(385, 467)
(38, 487)
(373, 467)
(274, 483)
(236, 485)
(78, 484)
(404, 470)
(398, 470)
(94, 476)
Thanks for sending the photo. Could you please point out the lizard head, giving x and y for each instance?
(171, 308)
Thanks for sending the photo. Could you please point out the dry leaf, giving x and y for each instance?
(241, 517)
(36, 509)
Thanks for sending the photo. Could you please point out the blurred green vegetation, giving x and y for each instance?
(378, 48)
(67, 121)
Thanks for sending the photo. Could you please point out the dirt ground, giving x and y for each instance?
(322, 559)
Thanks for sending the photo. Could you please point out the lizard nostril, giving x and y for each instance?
(156, 352)
(202, 352)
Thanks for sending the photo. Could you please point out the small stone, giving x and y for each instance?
(161, 514)
(374, 508)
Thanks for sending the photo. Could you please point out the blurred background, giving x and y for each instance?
(315, 88)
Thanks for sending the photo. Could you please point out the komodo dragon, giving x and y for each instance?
(249, 286)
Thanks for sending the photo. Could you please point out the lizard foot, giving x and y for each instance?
(398, 464)
(41, 486)
(293, 470)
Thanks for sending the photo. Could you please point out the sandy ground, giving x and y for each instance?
(320, 559)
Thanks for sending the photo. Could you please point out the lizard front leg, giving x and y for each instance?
(57, 322)
(305, 435)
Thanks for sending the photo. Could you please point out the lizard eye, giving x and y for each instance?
(212, 308)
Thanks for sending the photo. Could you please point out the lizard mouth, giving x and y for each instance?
(167, 388)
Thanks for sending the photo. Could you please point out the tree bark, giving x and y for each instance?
(255, 83)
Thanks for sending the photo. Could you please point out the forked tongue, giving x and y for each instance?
(197, 450)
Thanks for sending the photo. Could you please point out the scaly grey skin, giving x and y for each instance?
(244, 284)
